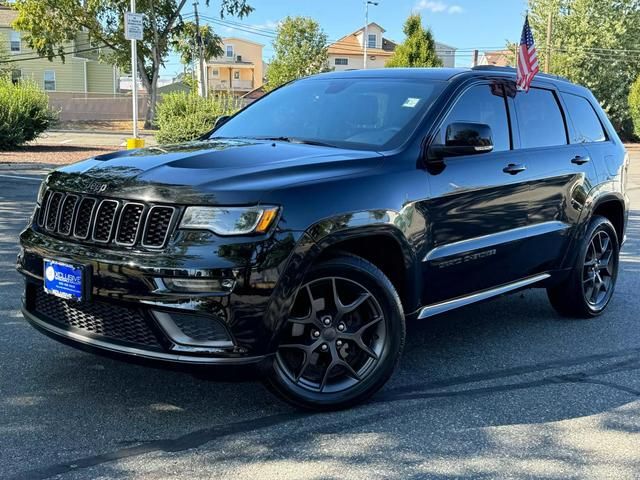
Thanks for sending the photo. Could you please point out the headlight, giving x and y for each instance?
(43, 187)
(229, 220)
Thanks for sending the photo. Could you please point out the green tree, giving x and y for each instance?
(51, 24)
(184, 42)
(418, 49)
(592, 44)
(300, 49)
(634, 106)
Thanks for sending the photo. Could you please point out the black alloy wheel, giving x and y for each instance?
(599, 270)
(588, 289)
(342, 338)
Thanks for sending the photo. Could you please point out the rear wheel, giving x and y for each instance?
(589, 288)
(343, 337)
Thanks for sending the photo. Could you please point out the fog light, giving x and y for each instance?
(199, 285)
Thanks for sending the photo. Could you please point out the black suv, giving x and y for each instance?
(300, 233)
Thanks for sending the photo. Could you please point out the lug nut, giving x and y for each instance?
(339, 343)
(324, 347)
(326, 320)
(316, 333)
(341, 327)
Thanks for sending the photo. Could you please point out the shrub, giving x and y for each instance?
(634, 106)
(184, 116)
(24, 113)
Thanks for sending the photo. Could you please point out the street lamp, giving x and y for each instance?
(366, 28)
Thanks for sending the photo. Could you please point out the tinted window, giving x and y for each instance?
(365, 113)
(482, 104)
(587, 125)
(540, 119)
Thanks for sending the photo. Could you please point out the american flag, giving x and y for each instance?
(527, 58)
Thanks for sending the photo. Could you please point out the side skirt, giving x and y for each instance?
(437, 308)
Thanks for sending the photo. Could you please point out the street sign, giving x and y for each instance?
(133, 26)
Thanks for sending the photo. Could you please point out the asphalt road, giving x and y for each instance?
(501, 389)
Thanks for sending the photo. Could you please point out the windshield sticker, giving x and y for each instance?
(410, 102)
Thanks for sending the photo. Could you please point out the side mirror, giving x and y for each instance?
(463, 139)
(221, 120)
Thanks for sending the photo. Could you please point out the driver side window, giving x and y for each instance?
(482, 104)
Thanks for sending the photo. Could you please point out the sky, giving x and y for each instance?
(464, 24)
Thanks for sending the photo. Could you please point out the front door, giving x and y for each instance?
(478, 208)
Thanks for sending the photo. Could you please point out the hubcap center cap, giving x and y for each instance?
(329, 334)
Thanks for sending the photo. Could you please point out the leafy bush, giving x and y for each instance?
(634, 106)
(24, 113)
(184, 116)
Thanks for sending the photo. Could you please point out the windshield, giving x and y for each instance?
(363, 113)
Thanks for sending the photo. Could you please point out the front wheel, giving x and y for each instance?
(589, 288)
(342, 339)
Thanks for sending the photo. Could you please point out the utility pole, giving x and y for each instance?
(134, 78)
(202, 87)
(475, 59)
(365, 39)
(547, 57)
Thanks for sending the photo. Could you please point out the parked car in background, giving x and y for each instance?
(302, 232)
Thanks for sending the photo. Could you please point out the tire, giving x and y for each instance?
(589, 287)
(333, 355)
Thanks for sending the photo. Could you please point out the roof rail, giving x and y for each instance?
(497, 68)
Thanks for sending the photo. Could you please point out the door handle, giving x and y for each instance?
(579, 160)
(514, 168)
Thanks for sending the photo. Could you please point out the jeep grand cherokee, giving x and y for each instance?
(301, 233)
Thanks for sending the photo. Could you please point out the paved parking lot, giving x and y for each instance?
(501, 389)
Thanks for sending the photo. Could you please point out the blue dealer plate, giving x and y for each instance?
(64, 280)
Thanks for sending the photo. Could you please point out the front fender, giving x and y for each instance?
(330, 232)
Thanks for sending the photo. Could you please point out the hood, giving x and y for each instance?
(210, 172)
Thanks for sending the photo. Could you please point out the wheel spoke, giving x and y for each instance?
(305, 363)
(325, 377)
(363, 346)
(349, 369)
(595, 292)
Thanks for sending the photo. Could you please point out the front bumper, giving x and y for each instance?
(132, 314)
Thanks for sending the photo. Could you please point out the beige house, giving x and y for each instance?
(348, 52)
(239, 70)
(80, 73)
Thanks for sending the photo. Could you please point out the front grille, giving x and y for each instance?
(52, 211)
(157, 227)
(95, 318)
(106, 221)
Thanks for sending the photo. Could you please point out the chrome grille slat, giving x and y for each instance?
(53, 210)
(67, 213)
(129, 223)
(106, 221)
(157, 226)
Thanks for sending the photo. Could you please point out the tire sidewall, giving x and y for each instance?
(366, 274)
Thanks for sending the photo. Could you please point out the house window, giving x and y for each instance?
(229, 51)
(236, 75)
(50, 80)
(16, 76)
(342, 61)
(372, 41)
(215, 72)
(15, 42)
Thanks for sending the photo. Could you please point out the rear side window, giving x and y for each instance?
(585, 120)
(482, 104)
(540, 119)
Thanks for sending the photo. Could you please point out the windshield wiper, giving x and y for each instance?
(303, 141)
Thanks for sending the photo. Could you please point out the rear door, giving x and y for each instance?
(477, 208)
(560, 175)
